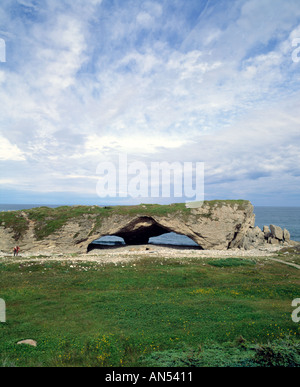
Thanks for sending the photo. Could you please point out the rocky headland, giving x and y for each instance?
(217, 225)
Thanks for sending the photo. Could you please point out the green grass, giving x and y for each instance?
(48, 220)
(15, 221)
(149, 312)
(219, 203)
(231, 262)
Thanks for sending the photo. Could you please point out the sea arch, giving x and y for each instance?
(138, 231)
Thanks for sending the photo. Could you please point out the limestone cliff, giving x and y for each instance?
(216, 225)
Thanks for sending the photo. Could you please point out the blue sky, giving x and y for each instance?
(210, 81)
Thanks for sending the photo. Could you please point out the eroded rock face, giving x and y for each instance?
(274, 235)
(216, 225)
(211, 227)
(254, 237)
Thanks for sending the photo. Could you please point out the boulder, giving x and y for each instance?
(276, 232)
(286, 235)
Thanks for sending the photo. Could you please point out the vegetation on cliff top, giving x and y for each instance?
(15, 221)
(48, 220)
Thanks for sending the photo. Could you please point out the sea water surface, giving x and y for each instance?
(284, 217)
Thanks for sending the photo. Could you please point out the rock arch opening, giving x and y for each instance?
(106, 242)
(141, 231)
(174, 239)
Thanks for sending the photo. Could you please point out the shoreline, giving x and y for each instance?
(129, 253)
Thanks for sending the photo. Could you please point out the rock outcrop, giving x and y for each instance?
(216, 225)
(274, 235)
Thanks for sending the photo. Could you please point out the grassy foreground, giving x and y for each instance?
(153, 312)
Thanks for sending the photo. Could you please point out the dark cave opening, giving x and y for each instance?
(143, 230)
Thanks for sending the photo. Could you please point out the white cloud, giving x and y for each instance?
(59, 54)
(136, 144)
(143, 80)
(10, 151)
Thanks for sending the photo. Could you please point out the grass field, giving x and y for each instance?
(153, 312)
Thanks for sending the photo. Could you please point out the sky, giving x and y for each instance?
(200, 81)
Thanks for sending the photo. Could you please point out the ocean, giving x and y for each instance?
(285, 217)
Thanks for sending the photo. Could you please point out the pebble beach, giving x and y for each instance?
(129, 253)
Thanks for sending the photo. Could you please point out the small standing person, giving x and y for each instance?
(18, 249)
(15, 251)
